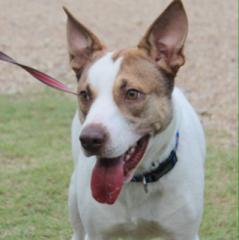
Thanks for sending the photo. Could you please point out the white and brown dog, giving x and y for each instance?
(137, 143)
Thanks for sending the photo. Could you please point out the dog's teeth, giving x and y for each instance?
(127, 157)
(132, 150)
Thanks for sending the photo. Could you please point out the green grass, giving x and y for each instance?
(35, 168)
(220, 214)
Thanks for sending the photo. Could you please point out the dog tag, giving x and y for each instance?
(145, 184)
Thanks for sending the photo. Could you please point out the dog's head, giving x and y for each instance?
(125, 96)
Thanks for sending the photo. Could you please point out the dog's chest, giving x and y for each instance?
(135, 229)
(139, 218)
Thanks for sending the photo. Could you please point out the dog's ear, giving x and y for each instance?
(82, 43)
(165, 38)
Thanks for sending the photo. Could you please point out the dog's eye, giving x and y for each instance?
(133, 94)
(84, 96)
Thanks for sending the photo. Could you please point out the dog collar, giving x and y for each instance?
(163, 168)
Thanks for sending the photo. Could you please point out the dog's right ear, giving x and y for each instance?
(82, 43)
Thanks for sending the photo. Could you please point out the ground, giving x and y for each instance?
(34, 33)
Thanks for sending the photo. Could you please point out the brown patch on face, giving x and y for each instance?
(86, 94)
(151, 110)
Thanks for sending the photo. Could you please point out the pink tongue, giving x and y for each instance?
(107, 180)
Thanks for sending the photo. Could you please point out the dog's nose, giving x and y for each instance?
(93, 139)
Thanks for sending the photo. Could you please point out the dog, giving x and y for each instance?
(137, 143)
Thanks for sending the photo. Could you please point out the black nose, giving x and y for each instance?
(93, 139)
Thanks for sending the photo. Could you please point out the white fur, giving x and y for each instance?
(173, 207)
(104, 110)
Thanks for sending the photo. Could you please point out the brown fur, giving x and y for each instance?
(153, 110)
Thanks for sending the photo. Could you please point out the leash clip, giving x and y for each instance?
(145, 184)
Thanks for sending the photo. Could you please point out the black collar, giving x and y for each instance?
(163, 168)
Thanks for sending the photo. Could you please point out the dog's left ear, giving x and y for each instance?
(82, 43)
(165, 38)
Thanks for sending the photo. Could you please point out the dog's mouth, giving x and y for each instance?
(109, 174)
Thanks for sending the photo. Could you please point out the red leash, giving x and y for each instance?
(51, 82)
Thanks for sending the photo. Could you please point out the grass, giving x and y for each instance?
(220, 214)
(35, 168)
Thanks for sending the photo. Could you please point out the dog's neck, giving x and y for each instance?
(161, 144)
